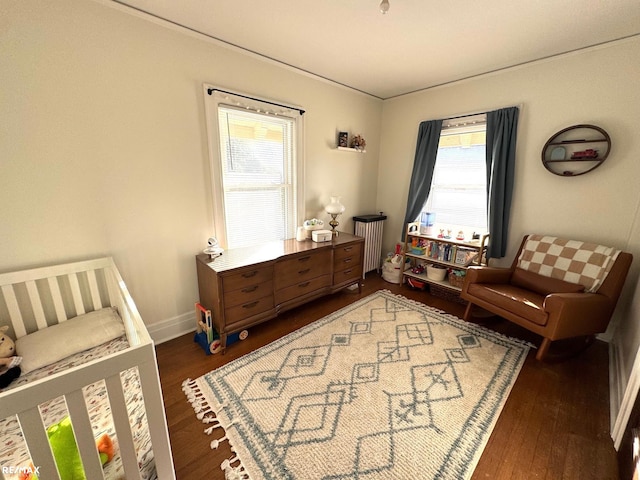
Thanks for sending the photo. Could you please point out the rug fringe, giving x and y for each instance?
(208, 414)
(234, 473)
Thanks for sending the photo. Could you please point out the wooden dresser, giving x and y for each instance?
(248, 286)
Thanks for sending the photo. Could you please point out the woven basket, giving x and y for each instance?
(456, 280)
(446, 294)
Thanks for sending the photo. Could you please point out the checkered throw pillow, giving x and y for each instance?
(586, 264)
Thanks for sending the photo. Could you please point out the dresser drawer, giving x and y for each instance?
(299, 269)
(246, 277)
(350, 274)
(249, 309)
(302, 288)
(346, 262)
(346, 253)
(248, 293)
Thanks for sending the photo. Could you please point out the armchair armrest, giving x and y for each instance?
(574, 314)
(488, 275)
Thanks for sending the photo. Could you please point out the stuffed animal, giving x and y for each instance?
(9, 361)
(66, 454)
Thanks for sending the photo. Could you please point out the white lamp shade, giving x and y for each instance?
(335, 207)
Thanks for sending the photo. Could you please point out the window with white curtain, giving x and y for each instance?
(458, 194)
(256, 169)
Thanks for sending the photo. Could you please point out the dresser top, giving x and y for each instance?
(269, 251)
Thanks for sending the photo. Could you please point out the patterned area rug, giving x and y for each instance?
(386, 388)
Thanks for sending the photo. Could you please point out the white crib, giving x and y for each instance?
(38, 298)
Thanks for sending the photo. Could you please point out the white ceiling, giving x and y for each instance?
(418, 44)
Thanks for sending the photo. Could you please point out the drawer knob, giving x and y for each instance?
(303, 284)
(348, 249)
(250, 305)
(250, 274)
(306, 270)
(347, 260)
(304, 259)
(250, 289)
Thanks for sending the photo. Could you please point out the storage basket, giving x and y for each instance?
(436, 272)
(446, 294)
(456, 280)
(392, 269)
(416, 284)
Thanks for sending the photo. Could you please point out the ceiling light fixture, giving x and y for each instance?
(384, 6)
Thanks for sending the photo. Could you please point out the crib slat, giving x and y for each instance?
(93, 287)
(123, 428)
(14, 311)
(38, 443)
(84, 435)
(156, 420)
(112, 288)
(36, 304)
(61, 313)
(75, 292)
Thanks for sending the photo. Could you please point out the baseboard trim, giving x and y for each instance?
(629, 394)
(171, 328)
(615, 388)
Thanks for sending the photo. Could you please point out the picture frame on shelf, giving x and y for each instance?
(461, 257)
(343, 139)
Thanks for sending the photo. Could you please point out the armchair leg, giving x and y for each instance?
(543, 349)
(467, 313)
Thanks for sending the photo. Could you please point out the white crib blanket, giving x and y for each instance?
(13, 449)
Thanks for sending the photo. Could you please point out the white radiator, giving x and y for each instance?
(370, 227)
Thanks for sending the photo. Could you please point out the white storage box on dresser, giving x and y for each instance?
(124, 372)
(321, 235)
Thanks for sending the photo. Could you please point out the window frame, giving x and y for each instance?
(225, 97)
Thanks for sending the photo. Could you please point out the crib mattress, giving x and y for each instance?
(13, 449)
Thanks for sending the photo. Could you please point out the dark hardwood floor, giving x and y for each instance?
(555, 424)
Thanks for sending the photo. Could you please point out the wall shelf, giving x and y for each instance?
(576, 150)
(348, 149)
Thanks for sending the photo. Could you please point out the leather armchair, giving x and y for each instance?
(552, 308)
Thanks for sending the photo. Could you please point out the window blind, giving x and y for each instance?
(257, 153)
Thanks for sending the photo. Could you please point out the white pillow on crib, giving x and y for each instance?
(72, 336)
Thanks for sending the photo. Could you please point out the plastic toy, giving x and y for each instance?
(419, 269)
(9, 361)
(584, 154)
(66, 454)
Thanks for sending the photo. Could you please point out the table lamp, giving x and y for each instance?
(334, 209)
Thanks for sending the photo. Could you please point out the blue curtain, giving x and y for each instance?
(423, 165)
(502, 126)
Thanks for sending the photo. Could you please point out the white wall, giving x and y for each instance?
(103, 145)
(598, 86)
